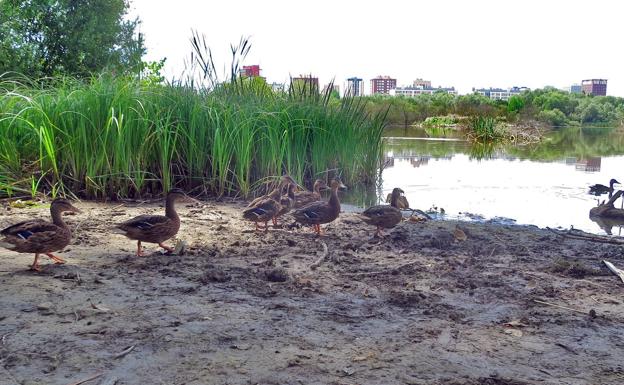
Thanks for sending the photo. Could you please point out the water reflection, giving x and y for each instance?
(544, 184)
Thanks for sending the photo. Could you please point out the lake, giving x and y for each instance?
(544, 184)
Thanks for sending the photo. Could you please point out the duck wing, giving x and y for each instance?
(382, 215)
(402, 203)
(35, 235)
(315, 213)
(263, 211)
(305, 198)
(144, 222)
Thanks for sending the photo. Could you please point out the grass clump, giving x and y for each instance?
(117, 137)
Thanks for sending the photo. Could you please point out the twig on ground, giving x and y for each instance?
(93, 377)
(560, 306)
(378, 272)
(614, 270)
(575, 234)
(322, 258)
(566, 348)
(126, 351)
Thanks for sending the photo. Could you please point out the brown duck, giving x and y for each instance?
(155, 228)
(383, 216)
(318, 213)
(284, 181)
(306, 197)
(265, 209)
(41, 237)
(287, 201)
(401, 202)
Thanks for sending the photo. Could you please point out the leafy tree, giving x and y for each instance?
(554, 117)
(515, 103)
(68, 37)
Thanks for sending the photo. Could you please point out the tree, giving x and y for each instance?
(68, 37)
(515, 103)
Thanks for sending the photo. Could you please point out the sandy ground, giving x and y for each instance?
(419, 307)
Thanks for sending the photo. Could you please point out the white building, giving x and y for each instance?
(500, 93)
(415, 91)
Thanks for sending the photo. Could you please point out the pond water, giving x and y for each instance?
(545, 184)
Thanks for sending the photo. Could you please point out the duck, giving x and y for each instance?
(384, 216)
(306, 197)
(287, 201)
(599, 189)
(155, 228)
(401, 202)
(284, 181)
(265, 209)
(39, 236)
(321, 212)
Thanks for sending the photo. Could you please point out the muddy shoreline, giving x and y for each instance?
(420, 307)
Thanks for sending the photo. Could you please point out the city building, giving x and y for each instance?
(500, 93)
(250, 71)
(355, 87)
(382, 85)
(575, 89)
(422, 83)
(414, 91)
(305, 84)
(334, 88)
(594, 87)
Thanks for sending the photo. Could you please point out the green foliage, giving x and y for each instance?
(515, 104)
(43, 38)
(554, 117)
(151, 72)
(437, 121)
(550, 106)
(485, 129)
(114, 136)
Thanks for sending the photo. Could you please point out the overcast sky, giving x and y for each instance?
(461, 43)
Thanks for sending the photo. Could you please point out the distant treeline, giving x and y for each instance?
(549, 106)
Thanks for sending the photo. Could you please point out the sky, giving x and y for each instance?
(460, 43)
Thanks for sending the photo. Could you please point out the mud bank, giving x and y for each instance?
(420, 307)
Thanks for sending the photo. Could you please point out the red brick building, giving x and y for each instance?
(382, 85)
(596, 87)
(250, 71)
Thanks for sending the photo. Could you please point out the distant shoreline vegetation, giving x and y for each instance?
(548, 107)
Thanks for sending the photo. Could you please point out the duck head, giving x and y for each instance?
(63, 205)
(336, 184)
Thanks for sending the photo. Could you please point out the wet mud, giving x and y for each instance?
(505, 305)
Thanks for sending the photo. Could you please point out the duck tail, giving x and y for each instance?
(7, 245)
(118, 230)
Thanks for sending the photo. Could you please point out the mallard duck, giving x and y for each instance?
(41, 237)
(287, 201)
(599, 189)
(401, 202)
(383, 216)
(284, 181)
(155, 228)
(318, 213)
(306, 197)
(265, 209)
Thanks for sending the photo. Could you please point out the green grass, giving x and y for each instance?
(485, 129)
(114, 137)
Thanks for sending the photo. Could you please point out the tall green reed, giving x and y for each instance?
(118, 137)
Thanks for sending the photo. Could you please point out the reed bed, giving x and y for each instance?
(114, 137)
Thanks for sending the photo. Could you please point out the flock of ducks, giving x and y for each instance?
(41, 237)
